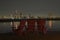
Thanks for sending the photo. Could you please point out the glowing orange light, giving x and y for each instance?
(50, 24)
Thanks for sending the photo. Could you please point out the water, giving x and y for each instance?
(8, 28)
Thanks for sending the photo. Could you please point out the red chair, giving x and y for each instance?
(41, 26)
(31, 25)
(20, 30)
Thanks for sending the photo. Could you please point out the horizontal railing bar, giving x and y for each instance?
(17, 20)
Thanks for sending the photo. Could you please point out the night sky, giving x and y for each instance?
(34, 7)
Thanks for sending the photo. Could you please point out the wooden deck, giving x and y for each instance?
(30, 36)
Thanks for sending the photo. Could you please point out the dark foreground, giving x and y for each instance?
(48, 36)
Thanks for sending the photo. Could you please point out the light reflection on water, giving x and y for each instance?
(8, 28)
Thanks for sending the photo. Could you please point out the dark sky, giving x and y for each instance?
(34, 7)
